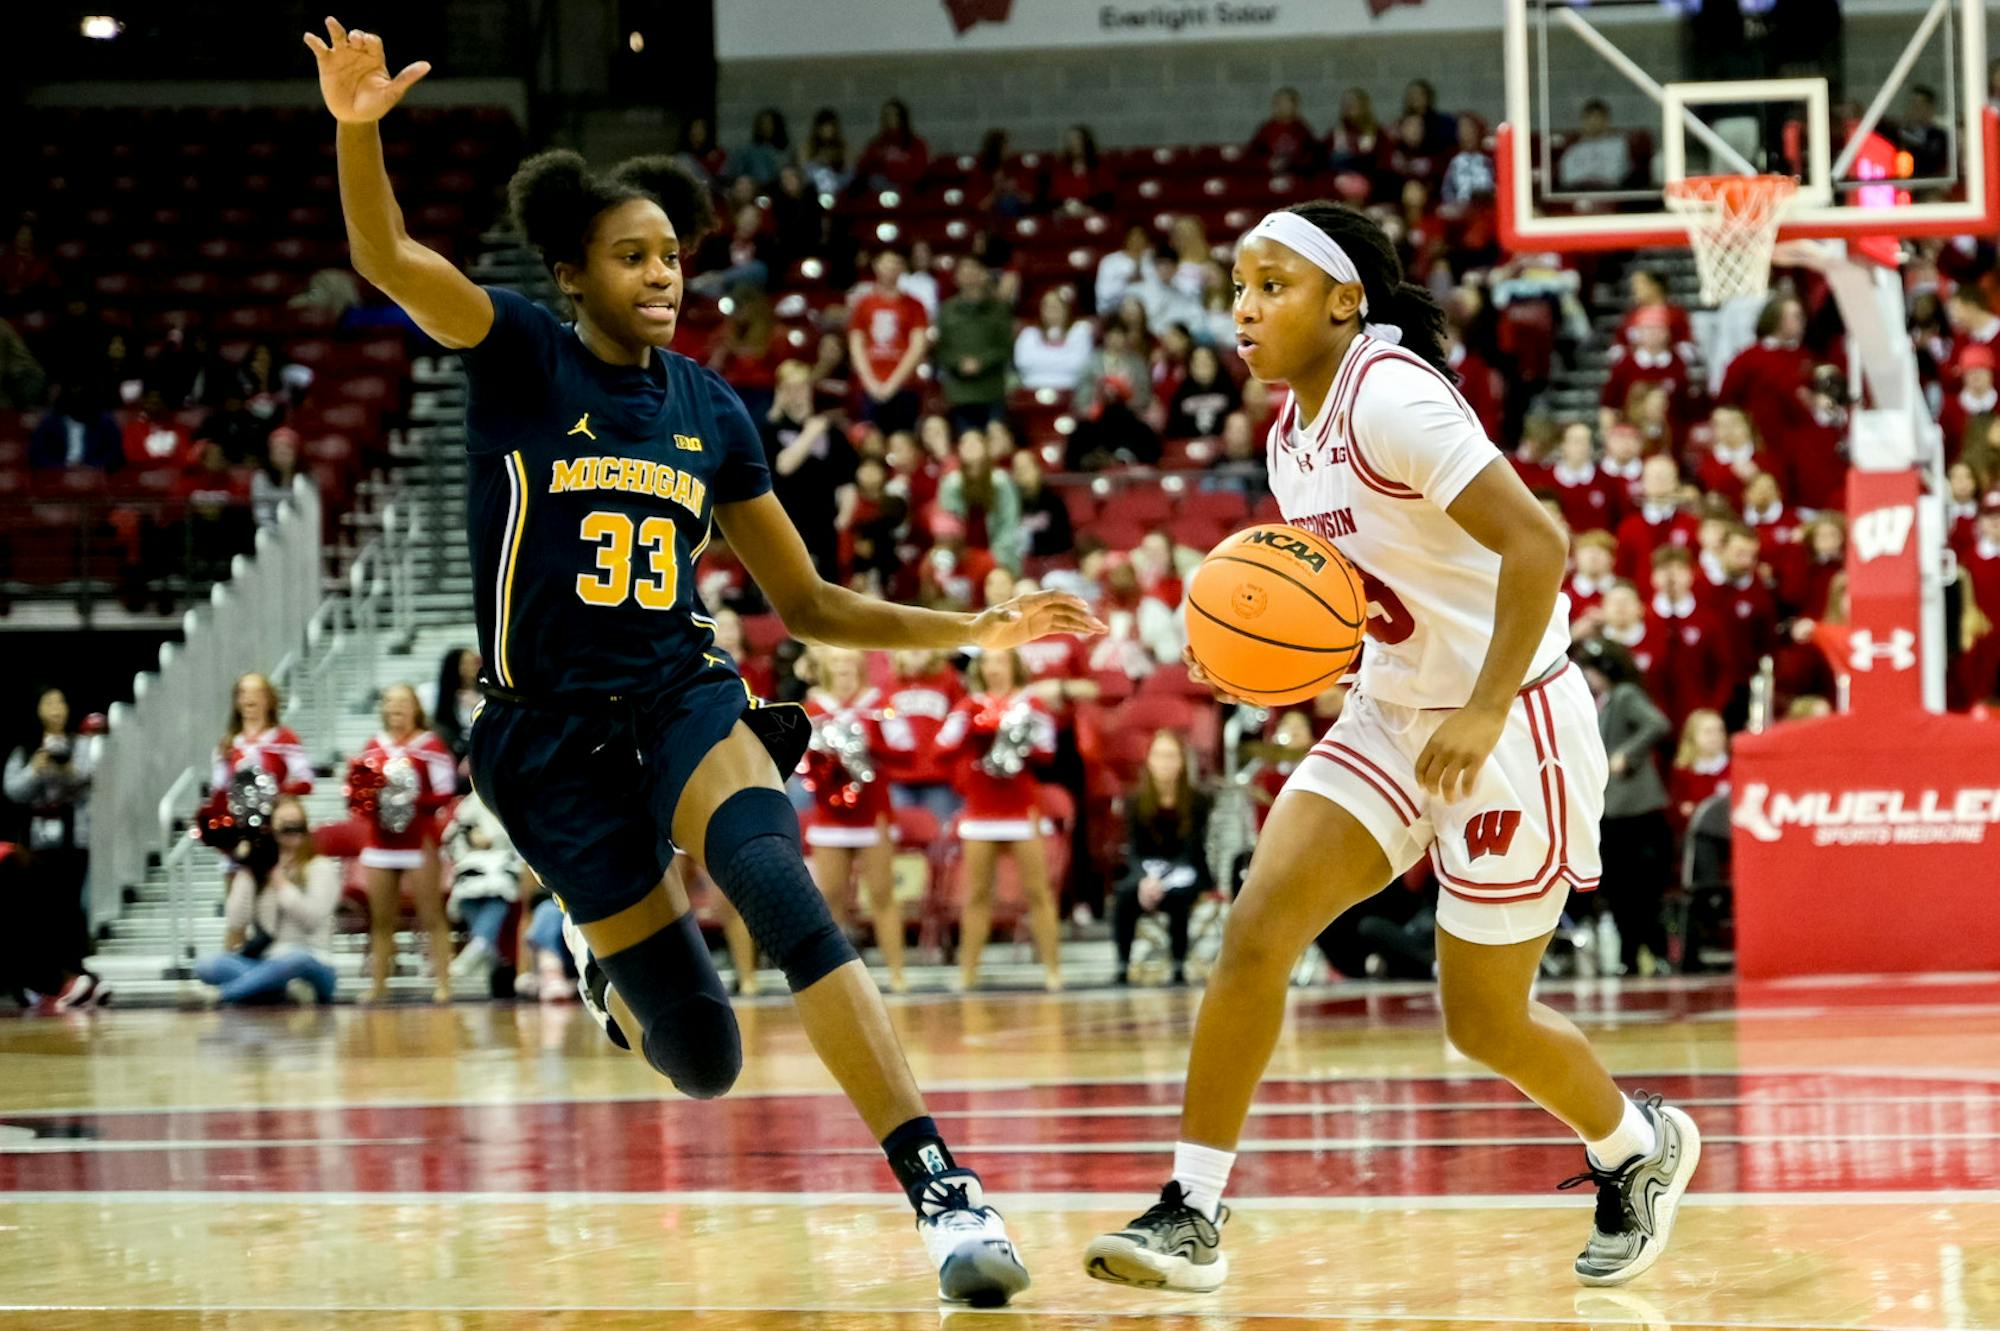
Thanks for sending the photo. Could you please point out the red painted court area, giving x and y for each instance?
(1360, 1137)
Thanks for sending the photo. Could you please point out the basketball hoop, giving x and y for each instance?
(1732, 224)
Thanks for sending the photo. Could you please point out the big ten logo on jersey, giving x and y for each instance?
(688, 443)
(640, 476)
(1884, 532)
(1289, 545)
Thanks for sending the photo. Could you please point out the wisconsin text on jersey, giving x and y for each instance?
(631, 476)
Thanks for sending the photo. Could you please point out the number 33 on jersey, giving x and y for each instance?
(591, 493)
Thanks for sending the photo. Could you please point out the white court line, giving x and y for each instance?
(1195, 1308)
(1470, 1076)
(1017, 1201)
(112, 1146)
(1306, 1109)
(973, 1086)
(1293, 1145)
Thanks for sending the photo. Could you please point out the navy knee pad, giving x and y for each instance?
(688, 1029)
(753, 854)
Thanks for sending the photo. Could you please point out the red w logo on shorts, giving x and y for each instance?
(1491, 833)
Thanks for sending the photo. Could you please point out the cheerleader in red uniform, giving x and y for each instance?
(920, 697)
(255, 740)
(851, 813)
(997, 735)
(397, 784)
(1701, 766)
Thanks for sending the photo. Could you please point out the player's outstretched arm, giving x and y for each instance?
(354, 80)
(814, 610)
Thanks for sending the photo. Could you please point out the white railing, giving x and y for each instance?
(340, 640)
(177, 713)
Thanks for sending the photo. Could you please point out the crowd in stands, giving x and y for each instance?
(180, 339)
(983, 374)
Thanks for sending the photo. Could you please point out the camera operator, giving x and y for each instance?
(51, 778)
(278, 921)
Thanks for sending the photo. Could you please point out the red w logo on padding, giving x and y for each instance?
(965, 13)
(1491, 833)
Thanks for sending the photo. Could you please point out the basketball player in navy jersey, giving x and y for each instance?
(614, 728)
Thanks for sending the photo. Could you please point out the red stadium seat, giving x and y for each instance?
(1146, 505)
(1223, 506)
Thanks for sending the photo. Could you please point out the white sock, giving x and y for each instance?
(1633, 1136)
(1202, 1172)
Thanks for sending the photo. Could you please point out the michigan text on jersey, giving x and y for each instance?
(629, 476)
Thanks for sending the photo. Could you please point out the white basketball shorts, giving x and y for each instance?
(1506, 854)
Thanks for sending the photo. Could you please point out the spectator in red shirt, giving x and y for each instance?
(1411, 157)
(1625, 622)
(1592, 556)
(1975, 397)
(1649, 411)
(1825, 543)
(895, 158)
(914, 470)
(1696, 671)
(154, 438)
(887, 338)
(756, 670)
(1624, 460)
(1649, 358)
(1591, 500)
(1078, 180)
(1973, 323)
(1979, 667)
(1285, 142)
(1766, 376)
(1659, 522)
(1701, 766)
(1735, 590)
(1961, 506)
(1358, 145)
(915, 706)
(1811, 444)
(1777, 528)
(1733, 457)
(1649, 292)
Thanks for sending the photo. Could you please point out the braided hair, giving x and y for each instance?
(1391, 300)
(556, 200)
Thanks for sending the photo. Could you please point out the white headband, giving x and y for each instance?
(1310, 243)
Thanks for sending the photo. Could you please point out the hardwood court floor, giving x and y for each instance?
(499, 1166)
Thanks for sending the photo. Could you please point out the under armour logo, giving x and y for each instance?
(1306, 461)
(582, 427)
(1900, 651)
(1491, 832)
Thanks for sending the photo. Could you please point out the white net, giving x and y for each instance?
(1732, 226)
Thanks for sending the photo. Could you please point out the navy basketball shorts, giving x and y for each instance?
(587, 788)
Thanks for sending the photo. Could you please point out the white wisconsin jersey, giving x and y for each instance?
(1393, 445)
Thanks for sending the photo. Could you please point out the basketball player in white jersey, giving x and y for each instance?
(1469, 738)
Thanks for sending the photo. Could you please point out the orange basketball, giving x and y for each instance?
(1275, 615)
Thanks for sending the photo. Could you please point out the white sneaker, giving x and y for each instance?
(475, 958)
(299, 989)
(968, 1243)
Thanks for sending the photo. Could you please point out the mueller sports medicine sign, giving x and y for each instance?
(1860, 816)
(800, 29)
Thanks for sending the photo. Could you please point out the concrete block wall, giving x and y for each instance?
(1216, 92)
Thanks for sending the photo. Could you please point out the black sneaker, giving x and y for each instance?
(1171, 1246)
(1637, 1200)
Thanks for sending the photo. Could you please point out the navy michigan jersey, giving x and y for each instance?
(591, 496)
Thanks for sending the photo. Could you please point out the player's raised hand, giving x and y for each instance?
(1033, 615)
(354, 76)
(1450, 763)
